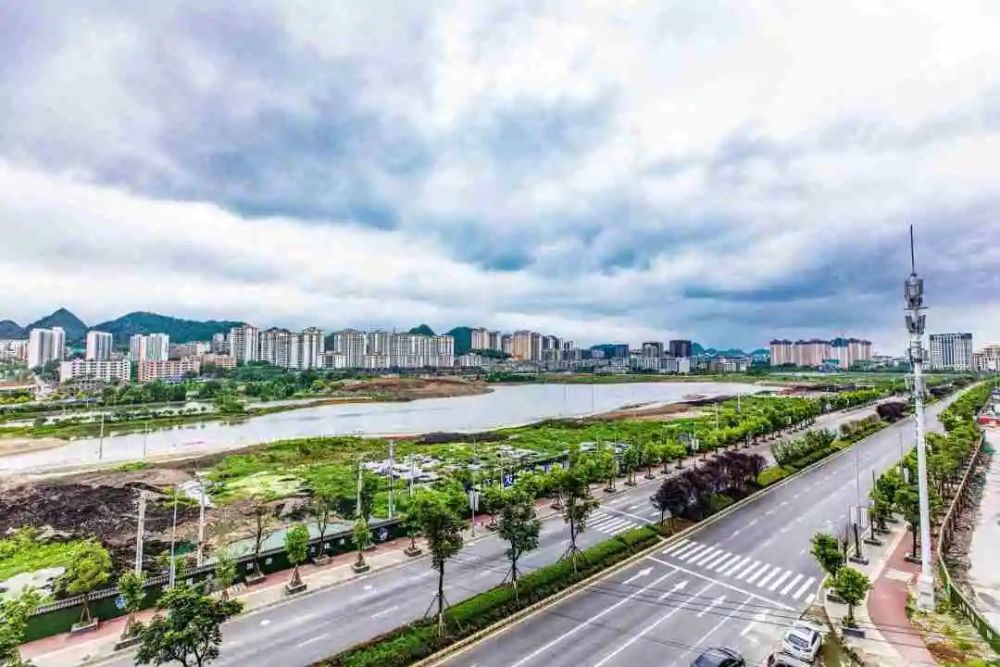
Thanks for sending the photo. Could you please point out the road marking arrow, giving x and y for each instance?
(677, 587)
(715, 603)
(645, 572)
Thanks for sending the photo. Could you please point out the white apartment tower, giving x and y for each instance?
(45, 345)
(951, 351)
(99, 345)
(244, 344)
(154, 347)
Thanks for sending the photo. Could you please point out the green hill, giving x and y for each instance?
(179, 330)
(11, 330)
(422, 330)
(74, 327)
(463, 339)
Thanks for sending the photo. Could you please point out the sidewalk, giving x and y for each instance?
(984, 575)
(890, 640)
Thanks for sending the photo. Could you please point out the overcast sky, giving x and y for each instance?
(727, 172)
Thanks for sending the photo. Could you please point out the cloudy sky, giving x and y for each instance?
(616, 170)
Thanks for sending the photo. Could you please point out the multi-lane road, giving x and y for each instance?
(324, 622)
(737, 583)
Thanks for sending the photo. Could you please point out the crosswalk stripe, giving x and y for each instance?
(606, 519)
(735, 566)
(746, 571)
(804, 588)
(726, 562)
(612, 525)
(763, 582)
(674, 547)
(791, 584)
(705, 555)
(688, 555)
(623, 529)
(688, 549)
(715, 560)
(777, 582)
(756, 575)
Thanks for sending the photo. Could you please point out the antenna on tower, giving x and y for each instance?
(913, 261)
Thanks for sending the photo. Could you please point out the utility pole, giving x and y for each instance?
(357, 505)
(141, 530)
(145, 440)
(913, 291)
(173, 541)
(392, 465)
(201, 523)
(100, 443)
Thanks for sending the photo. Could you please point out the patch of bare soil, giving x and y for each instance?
(410, 388)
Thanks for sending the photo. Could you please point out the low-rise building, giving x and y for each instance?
(104, 370)
(223, 361)
(14, 350)
(169, 370)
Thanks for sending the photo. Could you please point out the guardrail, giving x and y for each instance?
(956, 598)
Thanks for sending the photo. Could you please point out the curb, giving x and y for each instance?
(500, 626)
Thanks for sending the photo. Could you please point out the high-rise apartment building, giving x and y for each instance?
(351, 343)
(536, 346)
(520, 347)
(14, 350)
(244, 344)
(45, 345)
(652, 349)
(219, 344)
(782, 352)
(152, 347)
(951, 352)
(479, 339)
(845, 352)
(494, 341)
(987, 360)
(680, 348)
(507, 344)
(99, 345)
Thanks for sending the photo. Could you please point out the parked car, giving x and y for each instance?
(719, 657)
(802, 641)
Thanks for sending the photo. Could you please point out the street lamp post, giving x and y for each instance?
(913, 290)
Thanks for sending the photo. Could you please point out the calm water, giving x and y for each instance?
(505, 406)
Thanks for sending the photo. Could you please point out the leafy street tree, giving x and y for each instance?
(297, 548)
(225, 572)
(851, 585)
(631, 460)
(520, 527)
(132, 589)
(14, 615)
(907, 502)
(649, 456)
(89, 570)
(189, 631)
(672, 496)
(577, 506)
(360, 538)
(826, 551)
(442, 529)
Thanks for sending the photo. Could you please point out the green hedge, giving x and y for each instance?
(809, 459)
(411, 643)
(773, 474)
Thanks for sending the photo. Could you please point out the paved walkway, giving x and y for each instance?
(984, 575)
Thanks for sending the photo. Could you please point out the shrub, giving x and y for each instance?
(772, 475)
(719, 501)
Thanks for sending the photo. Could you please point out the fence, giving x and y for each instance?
(59, 616)
(955, 596)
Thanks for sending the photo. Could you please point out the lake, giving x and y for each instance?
(506, 405)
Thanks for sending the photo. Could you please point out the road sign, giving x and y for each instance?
(474, 500)
(508, 480)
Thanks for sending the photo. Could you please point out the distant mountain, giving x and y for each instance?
(697, 349)
(760, 351)
(74, 327)
(463, 339)
(422, 330)
(180, 331)
(11, 330)
(712, 352)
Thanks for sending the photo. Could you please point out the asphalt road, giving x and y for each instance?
(324, 622)
(736, 583)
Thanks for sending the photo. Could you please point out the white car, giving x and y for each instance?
(802, 641)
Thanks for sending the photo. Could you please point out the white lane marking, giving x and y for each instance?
(715, 560)
(763, 582)
(770, 601)
(717, 626)
(652, 625)
(726, 562)
(746, 571)
(735, 566)
(638, 575)
(791, 584)
(804, 587)
(615, 525)
(632, 507)
(691, 554)
(266, 621)
(705, 555)
(675, 547)
(385, 612)
(687, 548)
(778, 582)
(756, 575)
(810, 598)
(580, 626)
(715, 603)
(314, 639)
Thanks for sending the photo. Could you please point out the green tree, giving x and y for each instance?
(297, 549)
(89, 570)
(907, 501)
(225, 572)
(322, 503)
(132, 589)
(520, 527)
(14, 613)
(672, 496)
(631, 460)
(577, 506)
(189, 632)
(826, 551)
(851, 585)
(442, 529)
(262, 518)
(361, 536)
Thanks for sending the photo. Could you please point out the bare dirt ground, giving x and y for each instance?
(409, 388)
(21, 445)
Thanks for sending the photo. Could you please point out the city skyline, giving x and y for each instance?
(572, 173)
